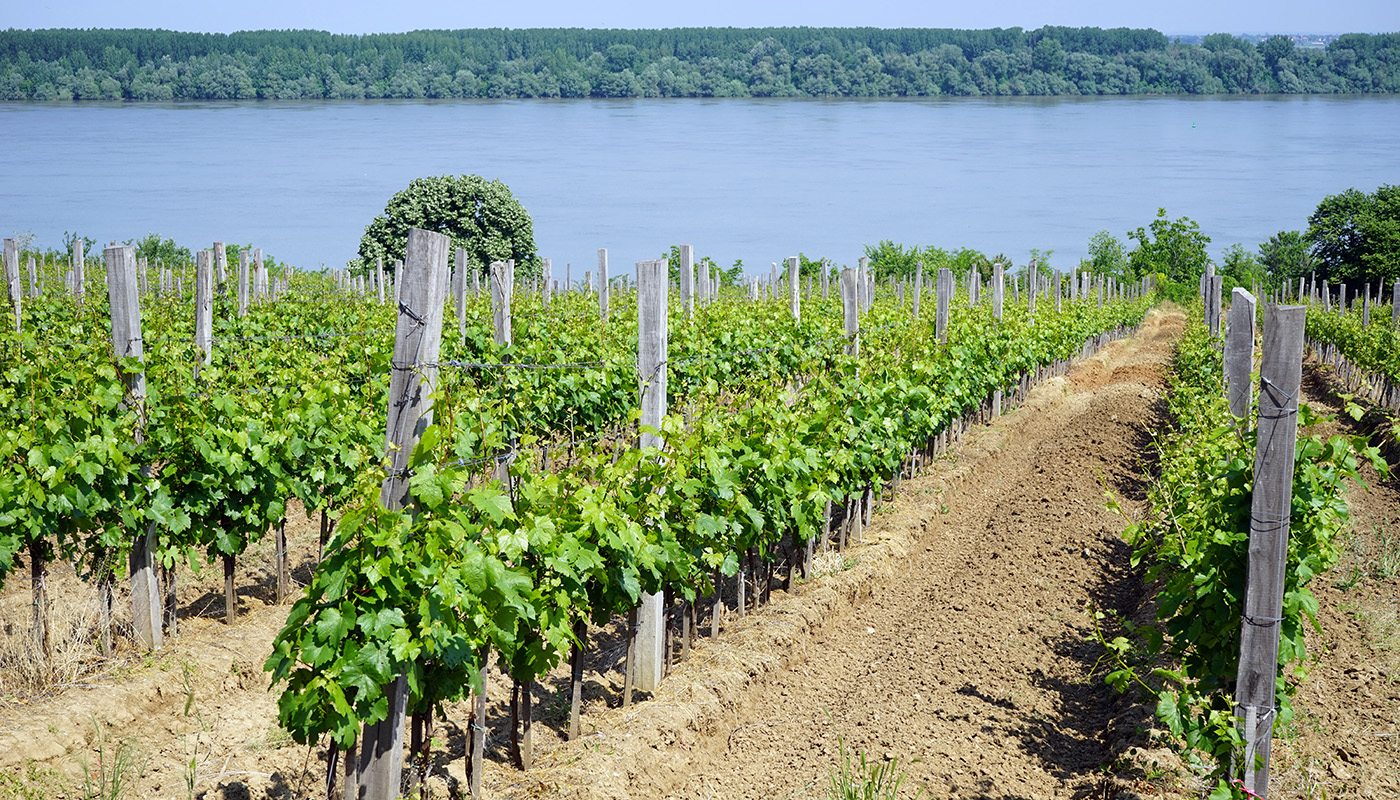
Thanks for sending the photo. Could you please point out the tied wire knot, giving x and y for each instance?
(1260, 622)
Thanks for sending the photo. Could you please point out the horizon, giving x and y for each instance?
(1167, 33)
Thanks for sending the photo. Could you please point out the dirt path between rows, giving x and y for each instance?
(970, 662)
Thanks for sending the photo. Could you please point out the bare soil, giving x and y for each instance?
(956, 640)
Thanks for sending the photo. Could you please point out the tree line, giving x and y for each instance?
(159, 65)
(1352, 238)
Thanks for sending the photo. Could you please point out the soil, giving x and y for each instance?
(954, 644)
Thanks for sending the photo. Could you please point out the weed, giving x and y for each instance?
(856, 778)
(37, 783)
(115, 769)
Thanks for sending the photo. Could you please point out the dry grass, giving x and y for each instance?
(74, 649)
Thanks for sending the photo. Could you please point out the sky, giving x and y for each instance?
(375, 16)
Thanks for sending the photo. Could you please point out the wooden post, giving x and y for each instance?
(413, 378)
(576, 677)
(220, 266)
(243, 283)
(126, 343)
(945, 292)
(652, 286)
(1212, 304)
(998, 301)
(459, 292)
(918, 286)
(1395, 304)
(1239, 353)
(703, 279)
(1366, 306)
(1032, 281)
(35, 289)
(603, 288)
(863, 284)
(1280, 382)
(687, 268)
(12, 278)
(78, 278)
(794, 279)
(204, 305)
(502, 289)
(546, 280)
(284, 583)
(850, 309)
(478, 734)
(826, 280)
(379, 276)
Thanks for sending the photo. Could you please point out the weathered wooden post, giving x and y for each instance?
(127, 344)
(1366, 306)
(703, 281)
(1239, 353)
(243, 283)
(794, 281)
(546, 281)
(502, 291)
(1395, 304)
(687, 280)
(998, 301)
(1279, 384)
(603, 288)
(653, 284)
(863, 284)
(826, 280)
(945, 292)
(204, 305)
(1214, 290)
(79, 280)
(220, 266)
(918, 286)
(850, 309)
(1032, 280)
(413, 378)
(12, 278)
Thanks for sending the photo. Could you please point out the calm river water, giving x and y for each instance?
(756, 180)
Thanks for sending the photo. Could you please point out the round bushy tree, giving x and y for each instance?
(480, 215)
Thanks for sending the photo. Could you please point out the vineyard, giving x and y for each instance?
(505, 479)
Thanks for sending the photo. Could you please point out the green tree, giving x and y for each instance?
(1285, 257)
(480, 215)
(1175, 248)
(888, 258)
(153, 248)
(1355, 236)
(1239, 267)
(1107, 255)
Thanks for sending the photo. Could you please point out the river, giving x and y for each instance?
(755, 180)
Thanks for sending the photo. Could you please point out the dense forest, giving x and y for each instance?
(72, 64)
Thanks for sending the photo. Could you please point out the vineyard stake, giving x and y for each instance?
(603, 288)
(420, 285)
(12, 278)
(1280, 381)
(204, 307)
(652, 287)
(78, 277)
(243, 283)
(127, 344)
(794, 301)
(918, 287)
(576, 677)
(945, 291)
(1213, 304)
(687, 283)
(1239, 353)
(220, 266)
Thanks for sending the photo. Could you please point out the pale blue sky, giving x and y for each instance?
(375, 16)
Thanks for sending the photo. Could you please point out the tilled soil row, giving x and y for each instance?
(970, 661)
